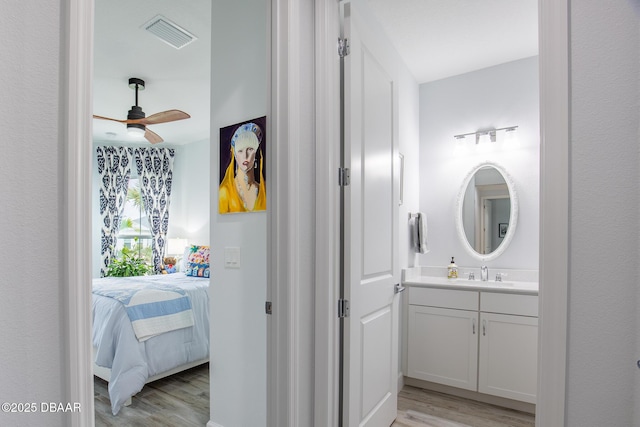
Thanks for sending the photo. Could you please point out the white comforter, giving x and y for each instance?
(133, 362)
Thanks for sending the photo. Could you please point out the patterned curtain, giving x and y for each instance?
(155, 170)
(114, 168)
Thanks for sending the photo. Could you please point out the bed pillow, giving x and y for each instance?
(198, 261)
(185, 258)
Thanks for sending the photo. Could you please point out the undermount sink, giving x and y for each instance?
(490, 283)
(501, 283)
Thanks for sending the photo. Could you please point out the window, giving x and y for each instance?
(135, 232)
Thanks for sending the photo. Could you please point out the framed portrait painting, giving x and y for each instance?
(242, 185)
(502, 229)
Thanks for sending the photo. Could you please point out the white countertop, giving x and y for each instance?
(507, 286)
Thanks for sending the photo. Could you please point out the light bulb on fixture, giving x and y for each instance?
(484, 136)
(511, 134)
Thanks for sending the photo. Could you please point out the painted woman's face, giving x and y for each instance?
(245, 151)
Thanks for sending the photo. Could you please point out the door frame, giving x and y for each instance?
(485, 194)
(554, 186)
(553, 27)
(77, 80)
(554, 39)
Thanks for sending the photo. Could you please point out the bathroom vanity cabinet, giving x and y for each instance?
(443, 336)
(480, 340)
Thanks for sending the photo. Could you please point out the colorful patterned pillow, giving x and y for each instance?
(198, 261)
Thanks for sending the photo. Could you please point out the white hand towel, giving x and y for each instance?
(420, 233)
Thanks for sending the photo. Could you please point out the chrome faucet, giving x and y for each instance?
(484, 273)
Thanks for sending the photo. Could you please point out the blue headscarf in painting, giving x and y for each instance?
(247, 127)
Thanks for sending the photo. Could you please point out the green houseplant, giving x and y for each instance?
(129, 264)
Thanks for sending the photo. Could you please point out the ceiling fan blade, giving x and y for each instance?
(163, 117)
(154, 119)
(109, 118)
(152, 137)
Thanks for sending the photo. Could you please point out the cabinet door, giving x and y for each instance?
(443, 346)
(508, 356)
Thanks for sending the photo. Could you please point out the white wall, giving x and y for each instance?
(191, 193)
(409, 135)
(190, 196)
(32, 355)
(238, 325)
(603, 386)
(495, 97)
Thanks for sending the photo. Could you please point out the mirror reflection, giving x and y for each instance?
(486, 210)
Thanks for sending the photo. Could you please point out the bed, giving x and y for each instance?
(131, 350)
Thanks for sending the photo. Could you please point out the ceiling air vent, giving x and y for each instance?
(169, 32)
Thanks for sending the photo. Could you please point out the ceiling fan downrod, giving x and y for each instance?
(136, 111)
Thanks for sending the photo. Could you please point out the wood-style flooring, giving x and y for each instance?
(421, 408)
(182, 400)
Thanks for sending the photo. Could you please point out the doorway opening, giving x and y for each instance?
(182, 79)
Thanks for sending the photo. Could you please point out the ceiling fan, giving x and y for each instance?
(137, 122)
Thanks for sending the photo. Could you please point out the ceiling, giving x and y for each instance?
(444, 38)
(436, 39)
(175, 78)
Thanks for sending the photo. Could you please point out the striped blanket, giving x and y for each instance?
(152, 308)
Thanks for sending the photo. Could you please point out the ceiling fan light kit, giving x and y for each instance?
(136, 131)
(137, 121)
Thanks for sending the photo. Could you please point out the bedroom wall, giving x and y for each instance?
(32, 354)
(499, 96)
(189, 210)
(190, 200)
(238, 320)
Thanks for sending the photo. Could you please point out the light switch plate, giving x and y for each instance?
(231, 257)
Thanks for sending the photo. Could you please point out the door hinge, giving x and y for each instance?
(267, 307)
(343, 47)
(344, 177)
(343, 308)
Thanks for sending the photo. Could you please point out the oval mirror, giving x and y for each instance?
(487, 211)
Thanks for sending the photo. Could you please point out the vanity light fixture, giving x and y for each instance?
(487, 135)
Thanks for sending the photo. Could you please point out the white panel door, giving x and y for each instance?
(371, 227)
